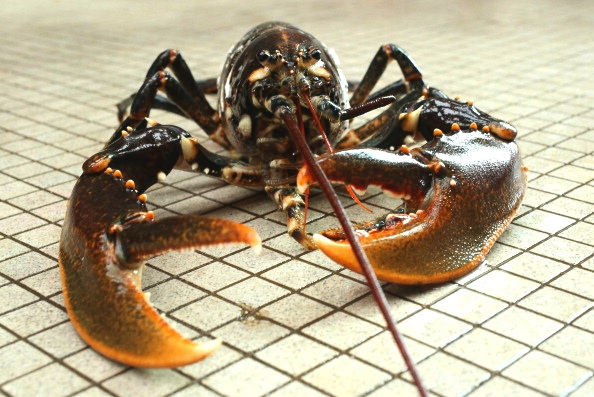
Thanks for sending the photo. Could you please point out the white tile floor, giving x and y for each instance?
(294, 323)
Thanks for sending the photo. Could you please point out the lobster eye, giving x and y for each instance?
(263, 56)
(316, 54)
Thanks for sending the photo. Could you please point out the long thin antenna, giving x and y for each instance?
(336, 204)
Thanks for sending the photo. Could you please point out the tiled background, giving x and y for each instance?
(295, 324)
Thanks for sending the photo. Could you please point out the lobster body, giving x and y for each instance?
(280, 93)
(287, 61)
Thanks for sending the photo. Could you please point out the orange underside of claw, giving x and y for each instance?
(164, 347)
(342, 253)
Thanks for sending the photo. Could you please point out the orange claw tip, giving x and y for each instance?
(184, 352)
(176, 351)
(503, 130)
(304, 179)
(339, 251)
(252, 238)
(96, 164)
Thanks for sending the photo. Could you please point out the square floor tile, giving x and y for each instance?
(523, 326)
(250, 378)
(215, 276)
(560, 305)
(194, 390)
(580, 232)
(40, 315)
(336, 290)
(94, 365)
(221, 358)
(250, 334)
(208, 313)
(172, 294)
(368, 309)
(6, 337)
(52, 380)
(499, 386)
(59, 341)
(154, 382)
(254, 292)
(569, 207)
(424, 295)
(19, 358)
(535, 267)
(296, 354)
(381, 351)
(397, 387)
(545, 221)
(578, 281)
(504, 286)
(255, 264)
(178, 262)
(341, 330)
(470, 306)
(585, 390)
(295, 310)
(296, 389)
(521, 237)
(13, 296)
(345, 376)
(25, 265)
(487, 349)
(547, 373)
(46, 283)
(296, 274)
(433, 328)
(449, 376)
(572, 344)
(564, 250)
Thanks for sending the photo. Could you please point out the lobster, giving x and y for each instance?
(284, 119)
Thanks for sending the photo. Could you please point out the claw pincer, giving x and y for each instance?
(460, 191)
(107, 236)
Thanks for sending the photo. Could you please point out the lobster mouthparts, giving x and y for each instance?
(460, 192)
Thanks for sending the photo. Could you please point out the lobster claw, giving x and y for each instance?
(457, 203)
(107, 236)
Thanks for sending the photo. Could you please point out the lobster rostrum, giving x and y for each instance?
(282, 97)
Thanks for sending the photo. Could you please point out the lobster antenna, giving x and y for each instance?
(328, 145)
(372, 281)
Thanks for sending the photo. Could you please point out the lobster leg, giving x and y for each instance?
(108, 234)
(130, 149)
(385, 54)
(291, 202)
(207, 86)
(184, 92)
(405, 91)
